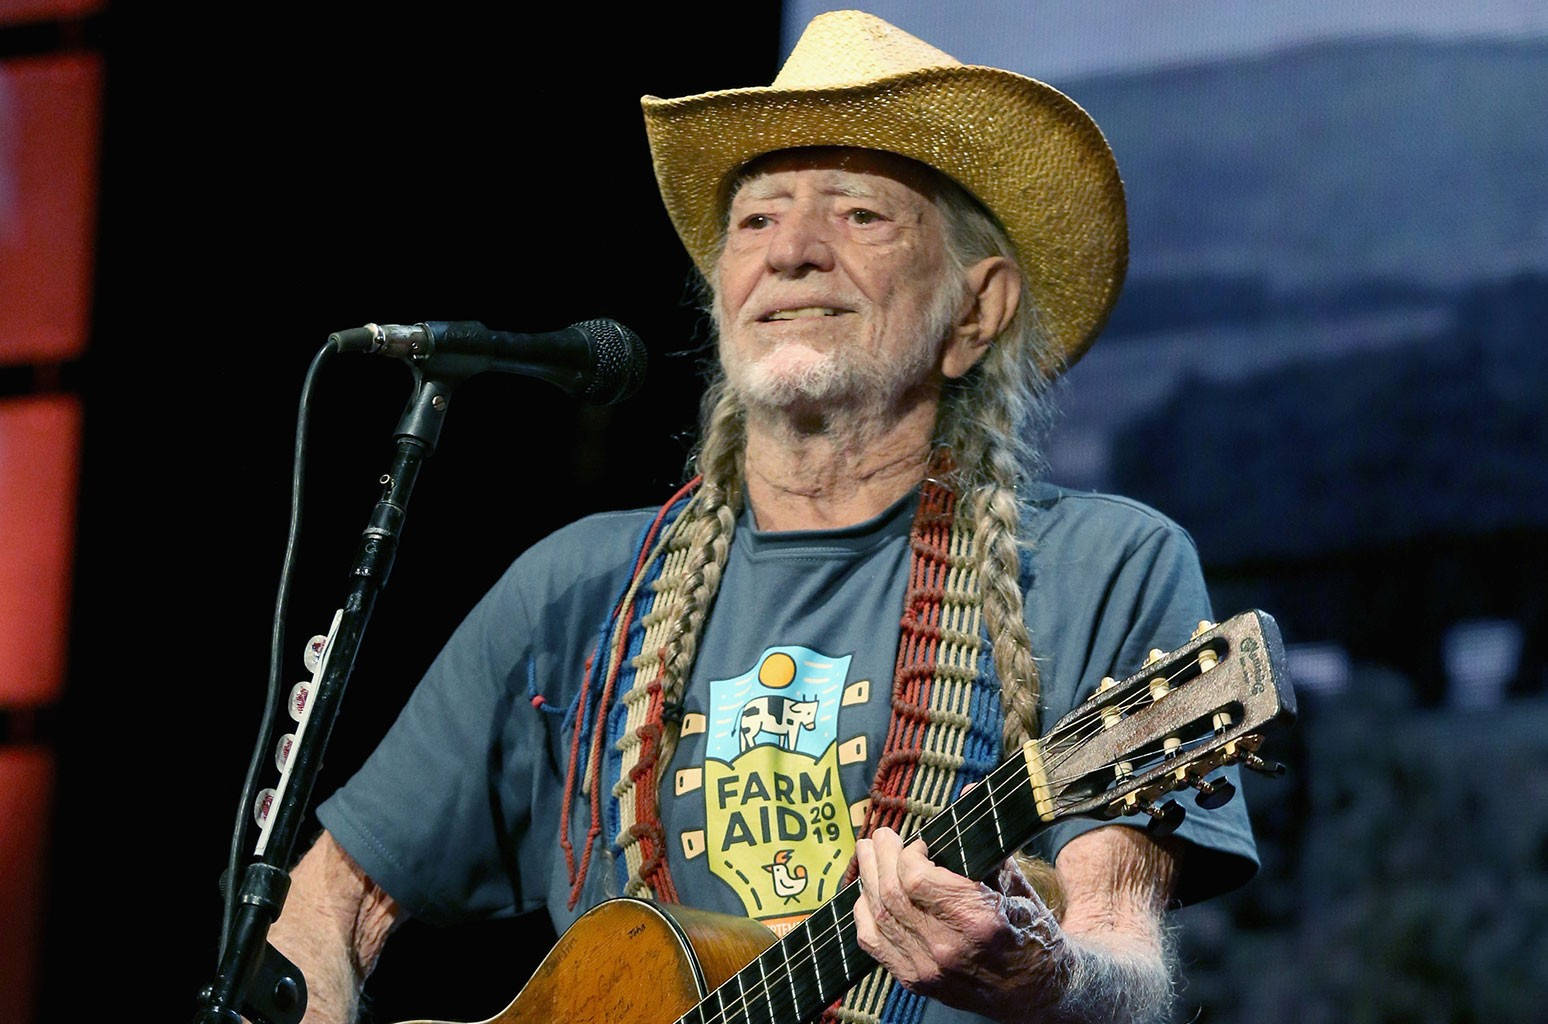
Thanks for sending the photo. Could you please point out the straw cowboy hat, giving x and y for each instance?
(1024, 149)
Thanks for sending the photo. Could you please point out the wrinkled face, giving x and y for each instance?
(834, 286)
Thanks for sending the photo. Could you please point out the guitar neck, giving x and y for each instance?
(797, 977)
(1162, 729)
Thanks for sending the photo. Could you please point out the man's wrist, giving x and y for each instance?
(1113, 985)
(1053, 963)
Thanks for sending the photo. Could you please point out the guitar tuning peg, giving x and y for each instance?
(1203, 627)
(1164, 819)
(1258, 764)
(1213, 793)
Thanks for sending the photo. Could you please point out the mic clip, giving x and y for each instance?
(410, 341)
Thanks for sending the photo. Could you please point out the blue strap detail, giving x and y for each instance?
(981, 746)
(616, 716)
(980, 756)
(536, 699)
(618, 720)
(582, 704)
(902, 1006)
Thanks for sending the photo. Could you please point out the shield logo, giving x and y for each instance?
(777, 820)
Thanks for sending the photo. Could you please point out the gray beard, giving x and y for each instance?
(846, 380)
(841, 380)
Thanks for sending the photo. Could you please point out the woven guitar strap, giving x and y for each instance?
(944, 733)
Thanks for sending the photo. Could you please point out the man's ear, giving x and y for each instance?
(993, 293)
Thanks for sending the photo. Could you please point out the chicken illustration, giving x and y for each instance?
(789, 879)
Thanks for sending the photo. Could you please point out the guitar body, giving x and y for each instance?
(630, 961)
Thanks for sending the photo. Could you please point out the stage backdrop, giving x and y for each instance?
(1329, 365)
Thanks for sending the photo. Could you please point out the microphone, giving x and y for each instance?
(597, 361)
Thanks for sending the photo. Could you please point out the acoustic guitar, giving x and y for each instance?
(1165, 728)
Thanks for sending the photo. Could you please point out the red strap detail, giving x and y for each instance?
(654, 869)
(577, 874)
(917, 647)
(569, 782)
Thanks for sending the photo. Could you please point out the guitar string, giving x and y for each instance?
(1078, 731)
(1063, 742)
(1187, 747)
(821, 940)
(1081, 731)
(817, 947)
(1071, 732)
(1077, 728)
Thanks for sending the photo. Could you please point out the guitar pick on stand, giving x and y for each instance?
(299, 706)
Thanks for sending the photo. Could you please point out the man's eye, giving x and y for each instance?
(755, 221)
(860, 215)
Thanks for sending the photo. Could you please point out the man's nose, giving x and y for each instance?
(802, 240)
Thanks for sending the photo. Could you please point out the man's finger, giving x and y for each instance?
(886, 846)
(865, 924)
(865, 864)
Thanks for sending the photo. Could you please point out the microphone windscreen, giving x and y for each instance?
(618, 363)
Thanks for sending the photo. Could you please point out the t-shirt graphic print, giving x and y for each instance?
(779, 822)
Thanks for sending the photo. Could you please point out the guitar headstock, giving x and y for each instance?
(1167, 727)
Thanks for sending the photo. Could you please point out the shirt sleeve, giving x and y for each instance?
(423, 816)
(1144, 593)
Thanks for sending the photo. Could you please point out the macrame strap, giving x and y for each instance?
(946, 717)
(634, 735)
(622, 631)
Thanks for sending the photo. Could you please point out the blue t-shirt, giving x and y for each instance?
(456, 814)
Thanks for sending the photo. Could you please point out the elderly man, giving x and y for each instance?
(859, 604)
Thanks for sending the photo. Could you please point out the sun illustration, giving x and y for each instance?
(777, 670)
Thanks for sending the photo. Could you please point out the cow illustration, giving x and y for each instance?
(780, 716)
(789, 879)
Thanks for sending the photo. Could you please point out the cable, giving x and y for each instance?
(230, 882)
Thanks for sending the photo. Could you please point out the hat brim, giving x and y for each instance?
(1033, 157)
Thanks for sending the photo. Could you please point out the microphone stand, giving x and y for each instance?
(254, 980)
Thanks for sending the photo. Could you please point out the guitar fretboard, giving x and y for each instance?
(797, 977)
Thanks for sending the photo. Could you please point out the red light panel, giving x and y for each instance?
(39, 462)
(50, 124)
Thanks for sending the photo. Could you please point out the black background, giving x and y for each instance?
(271, 175)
